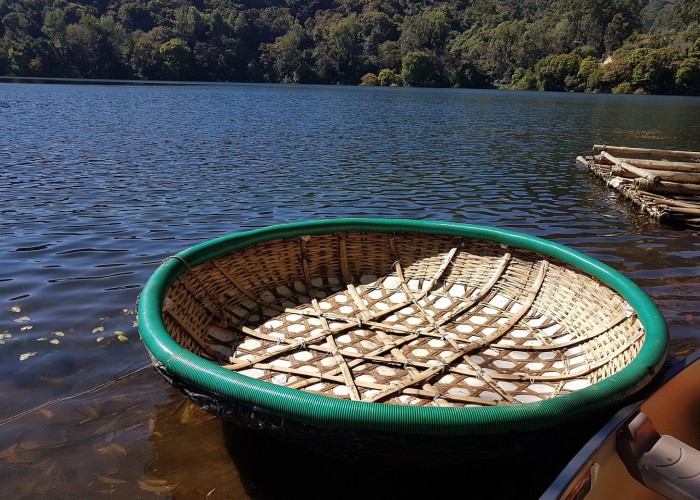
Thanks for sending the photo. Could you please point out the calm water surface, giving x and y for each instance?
(99, 184)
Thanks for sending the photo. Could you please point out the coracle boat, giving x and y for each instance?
(399, 339)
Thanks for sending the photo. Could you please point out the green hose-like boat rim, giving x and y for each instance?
(331, 413)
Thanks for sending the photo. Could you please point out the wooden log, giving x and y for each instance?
(647, 152)
(673, 166)
(675, 201)
(683, 210)
(618, 171)
(667, 187)
(680, 177)
(639, 172)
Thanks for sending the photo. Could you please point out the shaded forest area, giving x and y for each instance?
(621, 46)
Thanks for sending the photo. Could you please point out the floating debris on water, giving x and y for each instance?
(56, 337)
(8, 452)
(112, 449)
(109, 480)
(156, 485)
(121, 336)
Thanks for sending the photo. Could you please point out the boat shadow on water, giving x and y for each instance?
(197, 455)
(270, 468)
(240, 462)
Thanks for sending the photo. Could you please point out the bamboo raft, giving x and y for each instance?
(418, 335)
(663, 183)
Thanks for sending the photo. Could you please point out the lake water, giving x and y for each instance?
(99, 184)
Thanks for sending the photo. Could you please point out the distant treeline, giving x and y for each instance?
(622, 46)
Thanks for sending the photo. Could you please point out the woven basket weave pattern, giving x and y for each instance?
(404, 319)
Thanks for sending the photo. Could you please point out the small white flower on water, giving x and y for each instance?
(26, 355)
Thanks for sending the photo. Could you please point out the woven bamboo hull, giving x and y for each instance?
(491, 317)
(381, 329)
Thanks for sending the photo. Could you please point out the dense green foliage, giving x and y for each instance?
(643, 46)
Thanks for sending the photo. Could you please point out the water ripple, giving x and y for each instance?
(94, 201)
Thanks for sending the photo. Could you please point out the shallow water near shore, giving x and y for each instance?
(100, 183)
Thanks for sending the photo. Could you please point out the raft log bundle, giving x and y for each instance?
(663, 183)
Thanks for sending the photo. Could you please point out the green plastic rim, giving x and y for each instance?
(331, 413)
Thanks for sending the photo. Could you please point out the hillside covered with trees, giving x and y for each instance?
(624, 46)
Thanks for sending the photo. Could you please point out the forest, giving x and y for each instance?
(619, 46)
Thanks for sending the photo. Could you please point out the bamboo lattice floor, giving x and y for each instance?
(404, 319)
